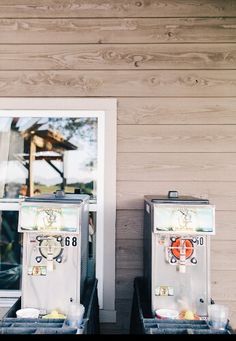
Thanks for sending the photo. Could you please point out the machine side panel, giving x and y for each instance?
(147, 250)
(84, 244)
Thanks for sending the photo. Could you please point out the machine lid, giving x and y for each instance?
(59, 197)
(173, 197)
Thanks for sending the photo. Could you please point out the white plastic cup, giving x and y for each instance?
(167, 314)
(75, 314)
(218, 316)
(27, 313)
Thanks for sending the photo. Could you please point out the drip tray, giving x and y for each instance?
(169, 326)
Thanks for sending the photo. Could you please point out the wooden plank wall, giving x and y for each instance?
(172, 66)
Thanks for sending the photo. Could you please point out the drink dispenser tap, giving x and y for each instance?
(49, 256)
(176, 252)
(55, 250)
(49, 262)
(182, 256)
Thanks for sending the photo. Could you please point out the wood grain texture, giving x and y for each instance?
(119, 83)
(125, 282)
(176, 138)
(129, 255)
(223, 255)
(223, 284)
(176, 111)
(176, 167)
(222, 194)
(158, 30)
(182, 50)
(116, 8)
(129, 225)
(135, 56)
(225, 226)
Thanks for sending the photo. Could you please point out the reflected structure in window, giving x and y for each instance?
(10, 251)
(38, 156)
(42, 155)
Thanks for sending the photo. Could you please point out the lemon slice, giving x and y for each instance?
(54, 315)
(189, 315)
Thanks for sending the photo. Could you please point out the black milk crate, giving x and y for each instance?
(158, 326)
(10, 324)
(143, 322)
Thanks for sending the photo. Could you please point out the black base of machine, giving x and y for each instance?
(10, 324)
(143, 322)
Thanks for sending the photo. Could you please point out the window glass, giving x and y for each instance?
(41, 155)
(37, 156)
(10, 251)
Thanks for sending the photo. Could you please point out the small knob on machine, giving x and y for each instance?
(173, 194)
(59, 259)
(193, 260)
(38, 259)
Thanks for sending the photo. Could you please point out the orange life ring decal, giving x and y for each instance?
(175, 248)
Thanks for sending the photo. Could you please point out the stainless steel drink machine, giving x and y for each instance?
(55, 250)
(177, 233)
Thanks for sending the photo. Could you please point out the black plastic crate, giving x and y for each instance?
(10, 324)
(143, 322)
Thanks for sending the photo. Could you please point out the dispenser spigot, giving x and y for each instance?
(49, 255)
(50, 262)
(182, 256)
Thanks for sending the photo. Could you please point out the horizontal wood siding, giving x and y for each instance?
(172, 66)
(221, 193)
(116, 57)
(177, 111)
(129, 31)
(172, 138)
(176, 167)
(116, 8)
(164, 83)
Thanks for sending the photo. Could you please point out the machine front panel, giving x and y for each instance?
(51, 274)
(180, 280)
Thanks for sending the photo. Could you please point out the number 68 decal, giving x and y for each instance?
(71, 241)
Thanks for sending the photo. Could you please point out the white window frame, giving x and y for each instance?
(106, 111)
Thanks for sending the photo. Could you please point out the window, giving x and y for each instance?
(42, 149)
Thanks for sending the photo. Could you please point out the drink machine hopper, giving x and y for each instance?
(55, 250)
(176, 253)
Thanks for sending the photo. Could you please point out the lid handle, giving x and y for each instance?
(59, 194)
(173, 194)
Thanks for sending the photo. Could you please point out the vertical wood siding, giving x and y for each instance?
(172, 66)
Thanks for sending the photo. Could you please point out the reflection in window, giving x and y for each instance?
(41, 155)
(37, 156)
(10, 251)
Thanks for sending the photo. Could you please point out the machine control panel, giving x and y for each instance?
(48, 218)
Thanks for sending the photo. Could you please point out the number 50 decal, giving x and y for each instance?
(71, 241)
(200, 241)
